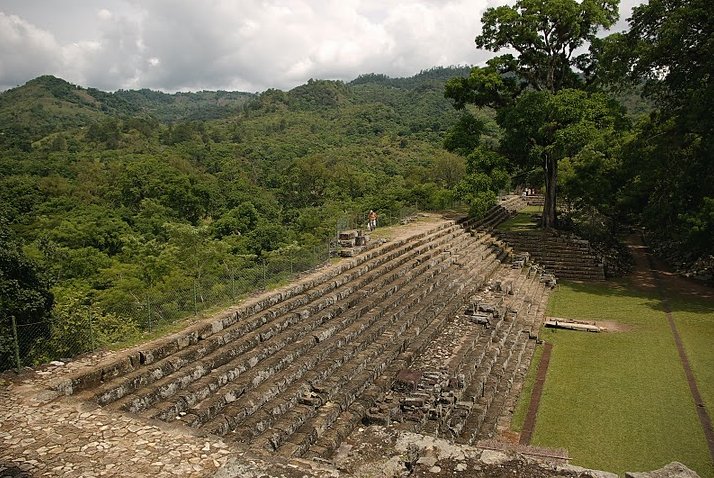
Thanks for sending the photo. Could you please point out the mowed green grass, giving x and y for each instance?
(619, 401)
(695, 322)
(522, 220)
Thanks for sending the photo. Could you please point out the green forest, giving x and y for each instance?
(123, 211)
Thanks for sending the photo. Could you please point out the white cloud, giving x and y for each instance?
(275, 43)
(104, 14)
(25, 51)
(249, 45)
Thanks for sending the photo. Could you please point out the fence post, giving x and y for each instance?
(233, 285)
(91, 329)
(148, 309)
(17, 344)
(195, 299)
(265, 270)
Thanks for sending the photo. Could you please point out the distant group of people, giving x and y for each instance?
(529, 192)
(372, 220)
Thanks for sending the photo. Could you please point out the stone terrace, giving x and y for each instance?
(428, 333)
(567, 256)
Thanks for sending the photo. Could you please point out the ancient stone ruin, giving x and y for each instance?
(567, 256)
(430, 334)
(295, 372)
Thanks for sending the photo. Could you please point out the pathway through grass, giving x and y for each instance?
(619, 401)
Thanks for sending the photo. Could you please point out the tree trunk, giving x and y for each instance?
(551, 180)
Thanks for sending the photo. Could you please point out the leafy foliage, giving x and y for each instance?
(136, 198)
(546, 35)
(669, 163)
(24, 295)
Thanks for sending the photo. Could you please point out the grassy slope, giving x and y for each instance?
(522, 221)
(628, 405)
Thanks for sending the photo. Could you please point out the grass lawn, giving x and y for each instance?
(618, 401)
(522, 221)
(695, 322)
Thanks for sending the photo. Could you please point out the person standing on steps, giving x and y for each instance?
(372, 220)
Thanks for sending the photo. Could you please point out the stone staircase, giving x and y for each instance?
(566, 256)
(458, 390)
(535, 200)
(293, 372)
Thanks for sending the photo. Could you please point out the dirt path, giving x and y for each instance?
(530, 421)
(649, 269)
(651, 274)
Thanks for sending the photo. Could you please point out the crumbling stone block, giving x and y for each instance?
(407, 380)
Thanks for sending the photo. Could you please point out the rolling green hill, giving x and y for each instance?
(48, 104)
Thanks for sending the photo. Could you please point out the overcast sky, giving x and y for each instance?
(246, 45)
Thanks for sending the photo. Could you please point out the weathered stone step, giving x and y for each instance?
(539, 238)
(459, 362)
(429, 266)
(428, 329)
(153, 352)
(498, 386)
(482, 407)
(352, 408)
(491, 358)
(553, 257)
(567, 258)
(261, 374)
(261, 326)
(433, 283)
(462, 365)
(412, 329)
(508, 372)
(356, 358)
(496, 214)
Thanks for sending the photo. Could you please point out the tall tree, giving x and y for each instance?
(546, 34)
(571, 125)
(24, 297)
(670, 48)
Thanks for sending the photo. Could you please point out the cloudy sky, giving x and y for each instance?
(246, 45)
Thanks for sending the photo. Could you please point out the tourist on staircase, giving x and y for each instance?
(372, 220)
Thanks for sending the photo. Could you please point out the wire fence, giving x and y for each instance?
(135, 313)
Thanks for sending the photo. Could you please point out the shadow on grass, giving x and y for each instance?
(521, 222)
(649, 295)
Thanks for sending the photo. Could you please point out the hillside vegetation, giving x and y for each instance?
(138, 207)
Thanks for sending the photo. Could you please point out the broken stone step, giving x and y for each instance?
(361, 382)
(357, 331)
(374, 320)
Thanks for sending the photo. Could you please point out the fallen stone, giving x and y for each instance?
(672, 470)
(427, 461)
(585, 471)
(492, 457)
